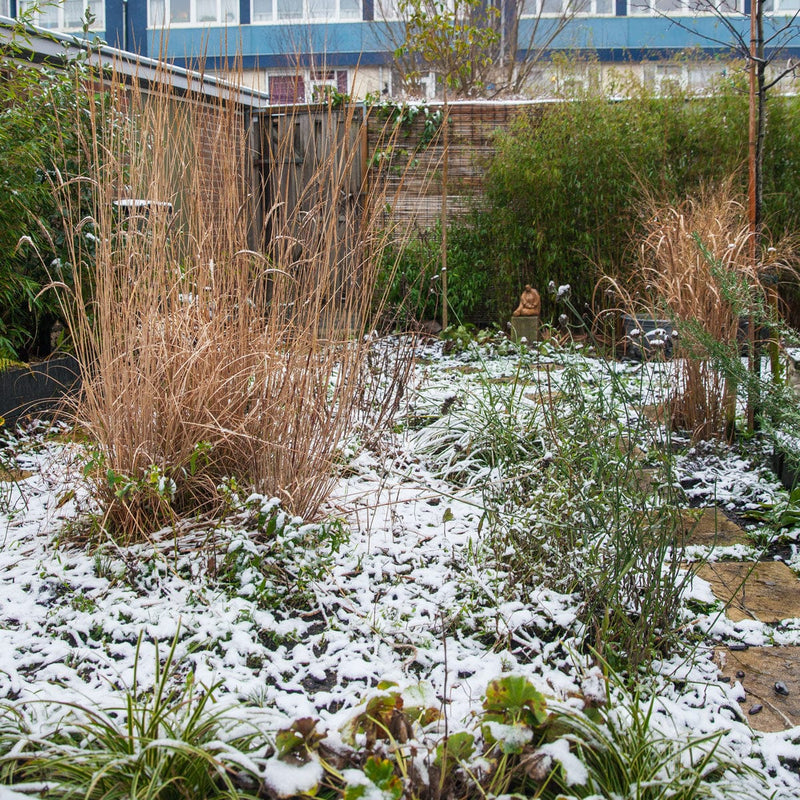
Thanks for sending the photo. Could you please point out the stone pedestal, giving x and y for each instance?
(525, 328)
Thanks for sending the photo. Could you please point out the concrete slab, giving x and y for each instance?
(710, 527)
(767, 591)
(14, 475)
(760, 670)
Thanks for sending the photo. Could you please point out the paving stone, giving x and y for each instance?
(770, 594)
(762, 668)
(656, 414)
(545, 397)
(13, 475)
(711, 528)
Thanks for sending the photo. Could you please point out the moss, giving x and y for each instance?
(9, 363)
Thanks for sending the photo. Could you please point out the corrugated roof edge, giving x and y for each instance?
(49, 46)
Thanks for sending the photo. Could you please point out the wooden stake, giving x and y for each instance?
(445, 159)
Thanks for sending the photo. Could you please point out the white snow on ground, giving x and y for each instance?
(410, 597)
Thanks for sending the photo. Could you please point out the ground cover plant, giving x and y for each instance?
(421, 645)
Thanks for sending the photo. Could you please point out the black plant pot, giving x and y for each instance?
(38, 389)
(647, 337)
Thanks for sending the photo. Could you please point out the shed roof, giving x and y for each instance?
(43, 46)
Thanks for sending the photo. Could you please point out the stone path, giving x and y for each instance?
(767, 591)
(710, 527)
(760, 670)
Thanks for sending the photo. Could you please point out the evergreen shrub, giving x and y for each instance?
(39, 107)
(566, 191)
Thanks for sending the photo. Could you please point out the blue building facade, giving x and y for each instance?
(292, 48)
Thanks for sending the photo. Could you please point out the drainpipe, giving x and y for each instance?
(124, 24)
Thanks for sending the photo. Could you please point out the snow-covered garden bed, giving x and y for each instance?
(403, 629)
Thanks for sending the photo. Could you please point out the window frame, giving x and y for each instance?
(58, 6)
(308, 82)
(781, 12)
(591, 10)
(193, 21)
(645, 8)
(305, 15)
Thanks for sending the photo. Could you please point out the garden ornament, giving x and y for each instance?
(530, 304)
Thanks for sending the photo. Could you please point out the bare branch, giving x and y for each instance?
(543, 31)
(792, 68)
(786, 31)
(740, 44)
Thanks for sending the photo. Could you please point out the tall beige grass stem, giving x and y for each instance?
(206, 360)
(680, 257)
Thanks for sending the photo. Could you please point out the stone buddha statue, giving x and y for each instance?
(530, 304)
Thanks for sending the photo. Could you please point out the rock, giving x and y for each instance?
(430, 326)
(770, 678)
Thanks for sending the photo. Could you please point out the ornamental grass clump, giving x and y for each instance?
(578, 493)
(224, 338)
(165, 744)
(585, 518)
(686, 250)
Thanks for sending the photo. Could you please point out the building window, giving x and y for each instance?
(664, 78)
(691, 8)
(312, 86)
(323, 82)
(280, 10)
(163, 13)
(286, 89)
(387, 10)
(781, 6)
(559, 8)
(66, 15)
(4, 8)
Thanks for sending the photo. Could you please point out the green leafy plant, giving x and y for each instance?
(628, 749)
(485, 434)
(454, 39)
(162, 744)
(388, 716)
(276, 558)
(564, 189)
(376, 781)
(299, 740)
(780, 515)
(44, 113)
(512, 709)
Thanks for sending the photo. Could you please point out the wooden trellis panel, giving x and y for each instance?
(414, 171)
